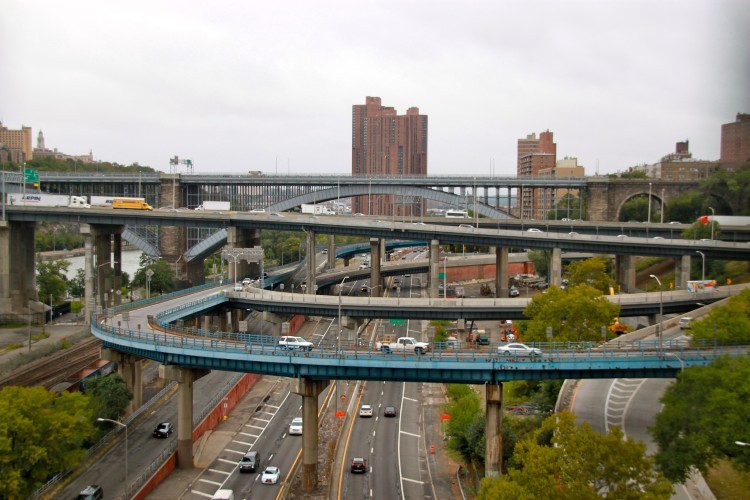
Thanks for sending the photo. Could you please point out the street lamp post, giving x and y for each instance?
(661, 310)
(126, 444)
(338, 338)
(703, 258)
(712, 222)
(649, 203)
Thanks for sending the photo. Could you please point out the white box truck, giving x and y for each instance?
(47, 200)
(213, 205)
(313, 209)
(223, 494)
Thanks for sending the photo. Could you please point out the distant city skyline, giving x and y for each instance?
(271, 88)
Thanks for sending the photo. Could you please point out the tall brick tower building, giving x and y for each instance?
(385, 144)
(735, 140)
(534, 155)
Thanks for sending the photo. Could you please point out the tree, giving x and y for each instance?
(567, 461)
(684, 208)
(637, 209)
(41, 434)
(540, 258)
(51, 280)
(703, 414)
(109, 396)
(161, 282)
(592, 272)
(575, 314)
(466, 426)
(77, 286)
(729, 323)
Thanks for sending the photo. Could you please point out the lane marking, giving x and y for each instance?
(410, 434)
(412, 480)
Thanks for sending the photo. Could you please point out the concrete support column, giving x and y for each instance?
(434, 268)
(625, 272)
(276, 321)
(88, 280)
(117, 285)
(310, 390)
(130, 369)
(501, 272)
(242, 238)
(195, 272)
(375, 279)
(206, 322)
(682, 272)
(555, 267)
(331, 251)
(493, 461)
(185, 378)
(311, 264)
(103, 270)
(17, 268)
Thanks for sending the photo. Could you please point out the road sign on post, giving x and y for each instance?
(30, 175)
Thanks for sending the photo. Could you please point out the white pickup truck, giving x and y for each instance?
(403, 344)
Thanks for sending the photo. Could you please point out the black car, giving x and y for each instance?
(390, 411)
(163, 430)
(359, 465)
(250, 462)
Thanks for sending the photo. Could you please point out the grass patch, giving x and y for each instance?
(12, 347)
(727, 483)
(39, 336)
(12, 325)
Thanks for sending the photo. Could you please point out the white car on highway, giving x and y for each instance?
(295, 343)
(270, 475)
(517, 349)
(295, 428)
(365, 411)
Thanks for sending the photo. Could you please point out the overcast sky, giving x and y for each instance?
(239, 86)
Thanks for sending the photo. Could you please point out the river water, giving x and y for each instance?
(130, 263)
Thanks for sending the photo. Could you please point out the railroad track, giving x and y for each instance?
(55, 368)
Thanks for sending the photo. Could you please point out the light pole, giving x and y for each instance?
(712, 222)
(661, 309)
(338, 338)
(126, 444)
(703, 257)
(649, 203)
(741, 443)
(445, 277)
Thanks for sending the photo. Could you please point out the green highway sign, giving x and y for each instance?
(441, 276)
(396, 321)
(30, 175)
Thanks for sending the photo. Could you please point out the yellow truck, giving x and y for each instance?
(131, 203)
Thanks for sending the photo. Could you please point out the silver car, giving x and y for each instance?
(518, 349)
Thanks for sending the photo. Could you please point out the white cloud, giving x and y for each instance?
(238, 85)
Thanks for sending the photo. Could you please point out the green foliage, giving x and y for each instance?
(41, 434)
(637, 209)
(466, 426)
(109, 396)
(540, 258)
(57, 236)
(163, 279)
(685, 208)
(593, 272)
(727, 191)
(51, 279)
(729, 323)
(540, 392)
(441, 334)
(698, 231)
(565, 461)
(703, 414)
(77, 285)
(633, 174)
(48, 164)
(575, 314)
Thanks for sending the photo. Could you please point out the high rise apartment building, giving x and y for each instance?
(535, 156)
(385, 144)
(17, 143)
(735, 140)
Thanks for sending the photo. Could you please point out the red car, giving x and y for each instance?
(359, 465)
(390, 411)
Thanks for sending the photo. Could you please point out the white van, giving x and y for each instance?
(685, 323)
(223, 495)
